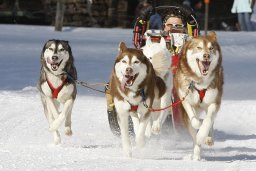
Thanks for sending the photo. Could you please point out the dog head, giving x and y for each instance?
(131, 67)
(202, 54)
(56, 56)
(151, 50)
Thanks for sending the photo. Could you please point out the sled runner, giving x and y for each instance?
(141, 32)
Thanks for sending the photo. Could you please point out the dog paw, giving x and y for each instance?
(68, 131)
(56, 139)
(209, 141)
(196, 123)
(196, 157)
(127, 152)
(155, 128)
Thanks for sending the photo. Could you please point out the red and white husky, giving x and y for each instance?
(200, 68)
(134, 86)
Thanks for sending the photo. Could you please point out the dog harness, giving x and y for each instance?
(201, 94)
(55, 91)
(134, 108)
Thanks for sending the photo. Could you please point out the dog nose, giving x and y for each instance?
(206, 56)
(129, 70)
(55, 58)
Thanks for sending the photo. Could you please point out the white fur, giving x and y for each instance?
(160, 58)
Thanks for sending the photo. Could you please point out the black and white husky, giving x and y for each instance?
(56, 85)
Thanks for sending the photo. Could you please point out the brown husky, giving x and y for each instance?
(199, 80)
(134, 85)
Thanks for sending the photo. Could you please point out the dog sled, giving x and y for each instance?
(141, 32)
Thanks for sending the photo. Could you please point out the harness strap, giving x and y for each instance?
(201, 94)
(134, 108)
(55, 91)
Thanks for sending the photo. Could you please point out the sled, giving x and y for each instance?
(141, 31)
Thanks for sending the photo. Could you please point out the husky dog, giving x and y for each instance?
(199, 80)
(56, 85)
(135, 88)
(160, 57)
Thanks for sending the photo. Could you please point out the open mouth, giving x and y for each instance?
(203, 66)
(128, 80)
(54, 65)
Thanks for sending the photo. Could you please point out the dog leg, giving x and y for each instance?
(68, 130)
(140, 137)
(197, 152)
(56, 134)
(52, 107)
(148, 131)
(135, 121)
(156, 123)
(56, 137)
(195, 122)
(66, 109)
(196, 147)
(207, 124)
(125, 135)
(209, 139)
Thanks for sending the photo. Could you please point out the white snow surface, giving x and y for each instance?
(26, 143)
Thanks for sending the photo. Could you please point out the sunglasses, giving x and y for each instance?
(175, 26)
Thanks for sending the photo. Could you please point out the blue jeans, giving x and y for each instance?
(245, 22)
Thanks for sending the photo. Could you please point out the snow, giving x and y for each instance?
(26, 144)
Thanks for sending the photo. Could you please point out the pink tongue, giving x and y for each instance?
(123, 83)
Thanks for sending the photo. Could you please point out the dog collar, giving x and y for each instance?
(55, 91)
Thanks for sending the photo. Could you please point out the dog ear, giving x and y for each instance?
(212, 36)
(162, 42)
(122, 47)
(148, 42)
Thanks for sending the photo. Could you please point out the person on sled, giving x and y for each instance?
(179, 30)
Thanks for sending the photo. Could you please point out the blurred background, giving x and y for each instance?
(107, 13)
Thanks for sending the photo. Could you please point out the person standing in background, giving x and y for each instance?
(243, 10)
(253, 16)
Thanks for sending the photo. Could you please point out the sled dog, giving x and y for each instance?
(56, 85)
(160, 57)
(199, 80)
(135, 88)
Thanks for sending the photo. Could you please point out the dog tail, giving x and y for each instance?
(161, 63)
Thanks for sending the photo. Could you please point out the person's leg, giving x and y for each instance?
(241, 21)
(248, 22)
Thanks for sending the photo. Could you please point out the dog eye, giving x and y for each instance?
(211, 48)
(199, 48)
(51, 49)
(62, 49)
(136, 62)
(123, 61)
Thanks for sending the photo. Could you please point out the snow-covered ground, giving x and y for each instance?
(26, 144)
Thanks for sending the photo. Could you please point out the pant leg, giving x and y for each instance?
(248, 23)
(241, 21)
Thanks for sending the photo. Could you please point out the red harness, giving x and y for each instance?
(55, 91)
(201, 94)
(134, 108)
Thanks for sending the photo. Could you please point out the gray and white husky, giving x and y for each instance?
(56, 85)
